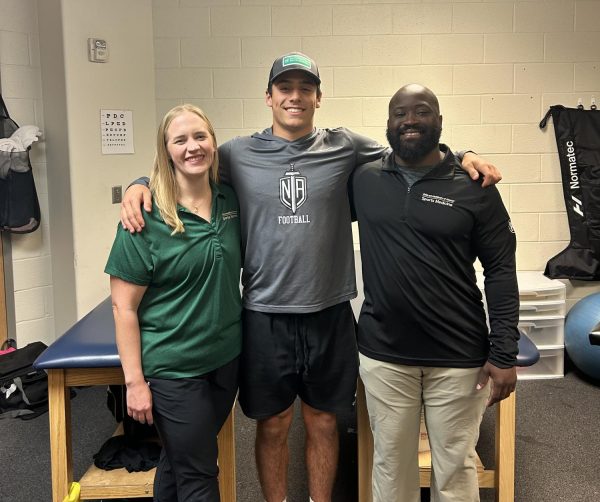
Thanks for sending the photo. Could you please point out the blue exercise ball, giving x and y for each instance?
(583, 346)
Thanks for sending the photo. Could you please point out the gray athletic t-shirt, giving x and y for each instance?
(295, 216)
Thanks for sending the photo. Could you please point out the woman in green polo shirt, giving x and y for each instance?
(176, 303)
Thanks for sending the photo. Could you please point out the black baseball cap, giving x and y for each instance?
(294, 61)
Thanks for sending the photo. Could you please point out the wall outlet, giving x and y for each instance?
(117, 194)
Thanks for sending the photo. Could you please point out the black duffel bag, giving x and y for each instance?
(23, 389)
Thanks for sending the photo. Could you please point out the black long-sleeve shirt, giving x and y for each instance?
(418, 245)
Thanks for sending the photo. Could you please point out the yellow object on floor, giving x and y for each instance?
(74, 491)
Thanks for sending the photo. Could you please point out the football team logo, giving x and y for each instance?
(292, 189)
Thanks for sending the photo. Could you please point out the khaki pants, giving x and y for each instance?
(453, 411)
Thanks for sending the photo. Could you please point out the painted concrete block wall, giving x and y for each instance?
(20, 79)
(125, 82)
(496, 65)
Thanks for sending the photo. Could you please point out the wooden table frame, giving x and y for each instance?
(502, 478)
(118, 483)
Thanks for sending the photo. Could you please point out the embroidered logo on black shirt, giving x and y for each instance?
(437, 199)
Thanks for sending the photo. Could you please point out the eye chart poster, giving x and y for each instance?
(117, 131)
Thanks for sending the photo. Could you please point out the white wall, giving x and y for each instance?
(125, 82)
(496, 66)
(20, 77)
(75, 90)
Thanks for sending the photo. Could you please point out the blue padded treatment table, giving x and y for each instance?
(87, 355)
(502, 477)
(90, 343)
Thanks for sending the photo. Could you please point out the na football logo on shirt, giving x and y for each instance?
(292, 194)
(292, 189)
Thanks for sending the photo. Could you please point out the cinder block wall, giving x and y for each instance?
(20, 76)
(496, 65)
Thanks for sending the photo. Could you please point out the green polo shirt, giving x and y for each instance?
(190, 314)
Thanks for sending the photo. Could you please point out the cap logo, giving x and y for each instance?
(297, 60)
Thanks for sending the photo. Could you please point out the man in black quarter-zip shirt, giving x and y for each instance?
(422, 332)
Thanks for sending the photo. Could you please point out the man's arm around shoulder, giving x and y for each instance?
(136, 195)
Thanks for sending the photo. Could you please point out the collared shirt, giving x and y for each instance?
(190, 314)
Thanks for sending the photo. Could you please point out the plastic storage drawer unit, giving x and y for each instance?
(534, 286)
(550, 365)
(544, 332)
(544, 309)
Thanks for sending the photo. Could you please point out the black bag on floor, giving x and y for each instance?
(23, 389)
(19, 204)
(578, 140)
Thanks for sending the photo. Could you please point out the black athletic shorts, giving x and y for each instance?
(313, 356)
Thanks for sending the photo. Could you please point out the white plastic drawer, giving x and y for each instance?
(534, 286)
(544, 332)
(542, 308)
(550, 365)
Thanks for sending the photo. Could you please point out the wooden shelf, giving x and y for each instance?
(99, 484)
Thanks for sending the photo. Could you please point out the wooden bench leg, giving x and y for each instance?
(59, 414)
(226, 460)
(505, 449)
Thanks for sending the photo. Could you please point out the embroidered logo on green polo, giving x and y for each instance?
(296, 59)
(229, 215)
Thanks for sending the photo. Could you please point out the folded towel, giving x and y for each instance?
(25, 136)
(9, 145)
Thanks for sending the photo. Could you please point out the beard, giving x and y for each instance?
(412, 151)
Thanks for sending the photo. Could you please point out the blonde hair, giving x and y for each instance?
(164, 187)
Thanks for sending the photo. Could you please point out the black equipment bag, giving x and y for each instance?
(19, 205)
(23, 389)
(578, 140)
